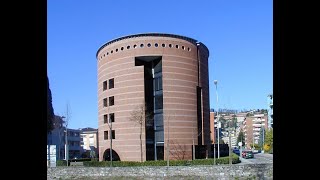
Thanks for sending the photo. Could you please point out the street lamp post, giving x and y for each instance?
(214, 146)
(216, 83)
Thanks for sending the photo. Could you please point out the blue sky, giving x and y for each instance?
(238, 34)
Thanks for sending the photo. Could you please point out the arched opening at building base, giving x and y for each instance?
(106, 155)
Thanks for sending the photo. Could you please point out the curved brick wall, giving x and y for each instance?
(116, 59)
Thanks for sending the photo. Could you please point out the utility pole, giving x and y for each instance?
(66, 146)
(214, 149)
(216, 83)
(68, 114)
(241, 147)
(66, 149)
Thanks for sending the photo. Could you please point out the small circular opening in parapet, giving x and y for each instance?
(141, 45)
(156, 45)
(117, 50)
(189, 49)
(128, 47)
(163, 45)
(183, 47)
(122, 48)
(149, 45)
(135, 46)
(177, 46)
(111, 51)
(170, 45)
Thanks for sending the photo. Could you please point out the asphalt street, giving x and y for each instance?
(258, 158)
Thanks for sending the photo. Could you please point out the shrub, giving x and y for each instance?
(267, 147)
(64, 162)
(222, 160)
(61, 163)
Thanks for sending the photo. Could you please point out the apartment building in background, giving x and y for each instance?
(213, 127)
(252, 126)
(57, 137)
(89, 140)
(164, 76)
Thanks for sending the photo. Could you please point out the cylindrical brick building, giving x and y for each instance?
(168, 75)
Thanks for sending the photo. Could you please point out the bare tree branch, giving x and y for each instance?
(178, 151)
(66, 122)
(142, 117)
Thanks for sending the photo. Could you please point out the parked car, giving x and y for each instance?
(247, 154)
(236, 151)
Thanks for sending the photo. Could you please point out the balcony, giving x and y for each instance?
(256, 125)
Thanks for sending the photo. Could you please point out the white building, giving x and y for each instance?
(89, 140)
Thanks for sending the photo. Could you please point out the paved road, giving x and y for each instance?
(258, 158)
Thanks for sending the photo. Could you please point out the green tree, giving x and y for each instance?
(241, 138)
(234, 122)
(264, 111)
(223, 122)
(261, 136)
(269, 138)
(50, 111)
(249, 114)
(256, 146)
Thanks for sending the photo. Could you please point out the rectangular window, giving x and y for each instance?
(158, 102)
(105, 85)
(105, 118)
(111, 101)
(105, 102)
(91, 142)
(111, 83)
(160, 83)
(112, 117)
(113, 134)
(105, 135)
(157, 83)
